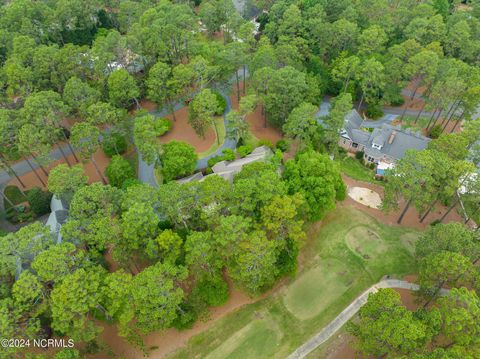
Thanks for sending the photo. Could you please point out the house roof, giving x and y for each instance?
(403, 140)
(395, 147)
(195, 177)
(228, 169)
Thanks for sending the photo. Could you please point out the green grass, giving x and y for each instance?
(158, 175)
(14, 194)
(332, 274)
(409, 122)
(216, 145)
(354, 169)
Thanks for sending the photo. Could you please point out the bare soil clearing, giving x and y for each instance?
(411, 218)
(256, 120)
(30, 180)
(182, 131)
(365, 196)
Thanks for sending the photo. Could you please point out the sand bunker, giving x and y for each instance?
(365, 196)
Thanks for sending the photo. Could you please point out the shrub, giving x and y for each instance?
(397, 101)
(282, 145)
(435, 222)
(114, 144)
(222, 103)
(162, 126)
(39, 201)
(178, 160)
(215, 159)
(240, 142)
(435, 132)
(130, 182)
(244, 150)
(267, 143)
(359, 155)
(186, 317)
(214, 291)
(228, 154)
(118, 171)
(372, 166)
(374, 111)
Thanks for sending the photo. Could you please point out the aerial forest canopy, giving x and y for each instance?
(75, 72)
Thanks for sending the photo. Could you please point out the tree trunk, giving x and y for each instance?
(420, 112)
(8, 200)
(70, 146)
(436, 119)
(412, 96)
(403, 113)
(434, 294)
(36, 173)
(449, 209)
(264, 116)
(428, 211)
(360, 103)
(172, 110)
(98, 170)
(244, 79)
(452, 109)
(10, 169)
(457, 121)
(345, 87)
(63, 154)
(238, 85)
(431, 119)
(474, 213)
(39, 165)
(404, 211)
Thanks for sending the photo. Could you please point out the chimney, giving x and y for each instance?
(392, 137)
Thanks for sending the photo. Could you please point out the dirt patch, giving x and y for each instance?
(365, 196)
(30, 179)
(256, 120)
(411, 218)
(182, 131)
(169, 340)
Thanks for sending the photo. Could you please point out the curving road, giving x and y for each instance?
(332, 327)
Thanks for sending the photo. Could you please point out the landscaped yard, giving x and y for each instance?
(14, 194)
(413, 123)
(345, 255)
(354, 169)
(216, 144)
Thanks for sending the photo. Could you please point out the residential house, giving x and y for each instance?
(382, 146)
(228, 169)
(58, 217)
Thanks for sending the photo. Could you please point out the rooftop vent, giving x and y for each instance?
(392, 137)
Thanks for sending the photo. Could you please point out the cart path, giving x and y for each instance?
(340, 320)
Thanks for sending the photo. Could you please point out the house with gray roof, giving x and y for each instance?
(228, 169)
(385, 144)
(57, 217)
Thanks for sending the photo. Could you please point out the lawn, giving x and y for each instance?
(14, 194)
(216, 145)
(354, 169)
(344, 255)
(409, 122)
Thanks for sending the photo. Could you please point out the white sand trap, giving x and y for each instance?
(365, 196)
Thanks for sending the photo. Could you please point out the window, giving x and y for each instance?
(354, 145)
